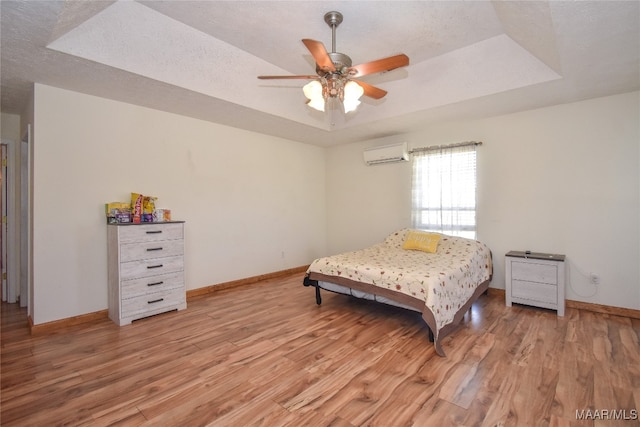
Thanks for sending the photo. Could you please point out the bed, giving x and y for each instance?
(438, 275)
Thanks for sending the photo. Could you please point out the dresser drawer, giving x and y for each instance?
(153, 302)
(151, 267)
(534, 272)
(148, 250)
(136, 287)
(523, 291)
(150, 232)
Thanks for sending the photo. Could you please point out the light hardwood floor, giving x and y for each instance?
(266, 355)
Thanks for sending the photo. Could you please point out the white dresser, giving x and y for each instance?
(145, 270)
(536, 279)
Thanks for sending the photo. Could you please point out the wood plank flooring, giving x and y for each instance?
(266, 355)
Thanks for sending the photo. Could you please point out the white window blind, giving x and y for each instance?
(444, 190)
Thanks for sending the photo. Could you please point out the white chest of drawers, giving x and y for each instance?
(145, 270)
(536, 279)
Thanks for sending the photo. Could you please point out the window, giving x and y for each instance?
(444, 190)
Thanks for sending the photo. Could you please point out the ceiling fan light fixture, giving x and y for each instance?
(316, 104)
(350, 105)
(314, 93)
(353, 90)
(318, 91)
(352, 93)
(312, 90)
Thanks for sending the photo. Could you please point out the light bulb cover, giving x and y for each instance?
(319, 91)
(316, 104)
(350, 105)
(312, 90)
(352, 91)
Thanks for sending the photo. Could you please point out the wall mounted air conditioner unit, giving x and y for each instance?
(386, 154)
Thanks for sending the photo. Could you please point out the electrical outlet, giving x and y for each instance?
(595, 279)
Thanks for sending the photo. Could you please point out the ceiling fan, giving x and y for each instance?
(335, 74)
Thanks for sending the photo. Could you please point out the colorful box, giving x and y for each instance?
(117, 212)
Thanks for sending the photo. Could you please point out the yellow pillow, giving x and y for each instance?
(421, 241)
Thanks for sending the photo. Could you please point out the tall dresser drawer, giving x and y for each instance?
(150, 232)
(153, 302)
(145, 285)
(150, 267)
(147, 250)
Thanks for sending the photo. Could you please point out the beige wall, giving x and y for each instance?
(10, 126)
(253, 204)
(563, 179)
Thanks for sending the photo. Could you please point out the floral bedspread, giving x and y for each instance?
(444, 280)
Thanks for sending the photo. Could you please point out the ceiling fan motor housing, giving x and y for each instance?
(341, 61)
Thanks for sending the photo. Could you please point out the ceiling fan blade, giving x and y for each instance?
(385, 64)
(370, 90)
(287, 77)
(320, 54)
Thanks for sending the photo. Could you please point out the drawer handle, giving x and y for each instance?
(154, 232)
(155, 300)
(154, 266)
(153, 249)
(155, 283)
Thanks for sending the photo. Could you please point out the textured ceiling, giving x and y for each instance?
(201, 58)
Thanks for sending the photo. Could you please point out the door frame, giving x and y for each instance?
(25, 262)
(10, 244)
(3, 224)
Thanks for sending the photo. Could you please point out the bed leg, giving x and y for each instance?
(431, 337)
(318, 298)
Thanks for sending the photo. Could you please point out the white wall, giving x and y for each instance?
(365, 203)
(253, 204)
(563, 179)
